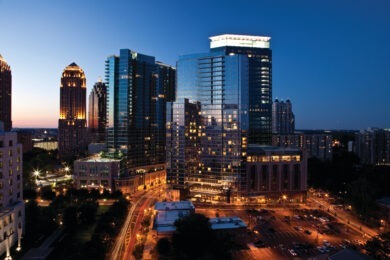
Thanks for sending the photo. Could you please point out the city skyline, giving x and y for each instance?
(329, 58)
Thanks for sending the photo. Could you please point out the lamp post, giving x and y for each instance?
(19, 239)
(36, 174)
(8, 247)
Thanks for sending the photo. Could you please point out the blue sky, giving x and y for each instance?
(330, 57)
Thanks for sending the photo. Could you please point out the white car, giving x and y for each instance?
(292, 252)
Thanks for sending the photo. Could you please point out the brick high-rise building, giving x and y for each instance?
(72, 125)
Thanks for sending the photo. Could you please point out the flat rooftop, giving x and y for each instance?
(98, 158)
(227, 223)
(174, 205)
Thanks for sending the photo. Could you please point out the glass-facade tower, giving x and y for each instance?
(222, 100)
(259, 55)
(138, 88)
(97, 112)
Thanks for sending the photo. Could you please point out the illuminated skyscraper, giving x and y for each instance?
(5, 94)
(72, 125)
(223, 102)
(257, 51)
(138, 88)
(97, 113)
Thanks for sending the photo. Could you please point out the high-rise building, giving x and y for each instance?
(313, 144)
(231, 89)
(138, 88)
(257, 51)
(97, 113)
(5, 94)
(373, 146)
(283, 120)
(183, 141)
(72, 125)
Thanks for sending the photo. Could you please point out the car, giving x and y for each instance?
(292, 252)
(308, 232)
(298, 228)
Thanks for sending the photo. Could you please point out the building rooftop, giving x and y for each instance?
(254, 148)
(168, 218)
(174, 205)
(98, 158)
(226, 223)
(239, 41)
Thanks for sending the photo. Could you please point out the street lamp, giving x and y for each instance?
(36, 174)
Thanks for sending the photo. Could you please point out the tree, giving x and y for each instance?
(163, 246)
(87, 212)
(30, 194)
(194, 239)
(47, 193)
(379, 246)
(70, 217)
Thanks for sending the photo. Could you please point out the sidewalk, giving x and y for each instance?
(44, 250)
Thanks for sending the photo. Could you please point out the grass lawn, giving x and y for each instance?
(71, 245)
(84, 234)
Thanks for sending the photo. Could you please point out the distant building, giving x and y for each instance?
(275, 173)
(72, 125)
(94, 148)
(25, 138)
(373, 146)
(46, 145)
(11, 188)
(97, 172)
(318, 145)
(97, 113)
(283, 119)
(5, 94)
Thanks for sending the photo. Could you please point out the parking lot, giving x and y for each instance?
(289, 232)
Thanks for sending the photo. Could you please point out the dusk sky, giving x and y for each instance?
(331, 58)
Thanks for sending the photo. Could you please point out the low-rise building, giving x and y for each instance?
(141, 178)
(275, 173)
(96, 172)
(168, 212)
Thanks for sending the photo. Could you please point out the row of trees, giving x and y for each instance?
(359, 185)
(101, 230)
